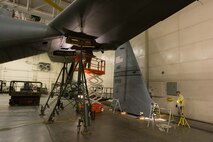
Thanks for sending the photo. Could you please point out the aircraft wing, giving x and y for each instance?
(115, 21)
(110, 22)
(19, 39)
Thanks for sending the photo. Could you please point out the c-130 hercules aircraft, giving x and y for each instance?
(89, 25)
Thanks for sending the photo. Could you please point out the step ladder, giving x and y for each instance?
(115, 105)
(155, 113)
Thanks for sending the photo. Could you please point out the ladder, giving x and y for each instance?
(155, 113)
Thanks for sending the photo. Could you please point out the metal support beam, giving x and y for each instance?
(23, 9)
(28, 4)
(53, 4)
(37, 7)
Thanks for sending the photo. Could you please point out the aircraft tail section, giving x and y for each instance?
(129, 86)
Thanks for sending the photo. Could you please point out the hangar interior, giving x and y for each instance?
(175, 51)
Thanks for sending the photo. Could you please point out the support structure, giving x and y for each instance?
(81, 98)
(95, 69)
(83, 102)
(183, 121)
(62, 74)
(116, 104)
(155, 114)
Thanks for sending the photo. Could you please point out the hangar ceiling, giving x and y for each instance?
(35, 8)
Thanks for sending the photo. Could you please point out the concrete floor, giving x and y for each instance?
(23, 124)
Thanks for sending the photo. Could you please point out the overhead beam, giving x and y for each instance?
(53, 4)
(23, 9)
(28, 4)
(40, 6)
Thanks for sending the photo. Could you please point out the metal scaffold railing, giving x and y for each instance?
(94, 69)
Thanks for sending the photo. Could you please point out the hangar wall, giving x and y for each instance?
(182, 47)
(27, 70)
(139, 46)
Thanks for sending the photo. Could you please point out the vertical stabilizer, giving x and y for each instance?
(129, 86)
